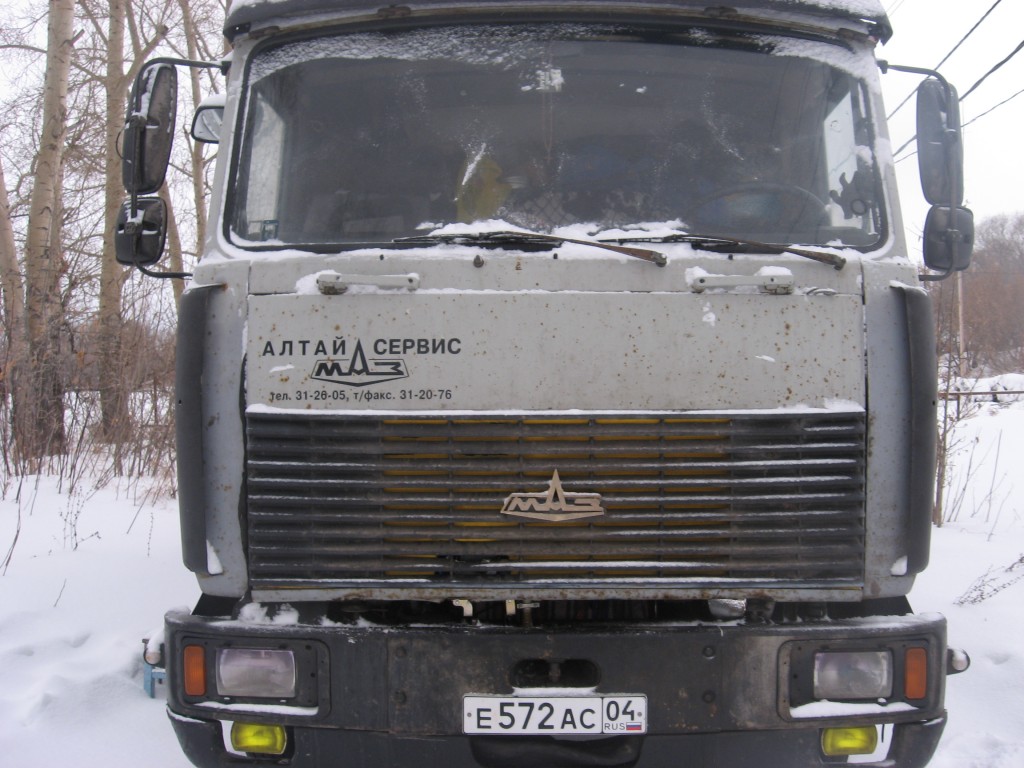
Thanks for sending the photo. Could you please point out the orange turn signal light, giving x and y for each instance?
(915, 673)
(194, 665)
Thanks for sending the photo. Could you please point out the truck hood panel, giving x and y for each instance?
(486, 351)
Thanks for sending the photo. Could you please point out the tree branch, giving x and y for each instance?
(22, 47)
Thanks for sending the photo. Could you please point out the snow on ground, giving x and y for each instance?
(986, 719)
(92, 573)
(976, 579)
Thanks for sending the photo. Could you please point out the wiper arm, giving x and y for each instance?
(530, 241)
(719, 244)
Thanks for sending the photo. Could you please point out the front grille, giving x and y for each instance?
(759, 499)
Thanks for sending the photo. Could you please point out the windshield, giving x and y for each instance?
(368, 137)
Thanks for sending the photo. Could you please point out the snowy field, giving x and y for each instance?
(92, 572)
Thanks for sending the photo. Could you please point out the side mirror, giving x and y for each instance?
(948, 239)
(139, 237)
(208, 120)
(149, 129)
(940, 151)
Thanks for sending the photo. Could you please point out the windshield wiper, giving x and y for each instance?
(721, 244)
(530, 241)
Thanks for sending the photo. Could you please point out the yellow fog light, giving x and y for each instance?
(836, 742)
(258, 739)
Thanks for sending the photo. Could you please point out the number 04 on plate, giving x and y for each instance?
(555, 715)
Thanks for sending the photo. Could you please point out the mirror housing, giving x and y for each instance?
(948, 239)
(149, 129)
(940, 150)
(139, 239)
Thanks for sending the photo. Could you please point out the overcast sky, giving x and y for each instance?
(925, 31)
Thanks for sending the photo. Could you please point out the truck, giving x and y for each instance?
(555, 387)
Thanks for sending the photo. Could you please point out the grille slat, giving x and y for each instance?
(769, 498)
(433, 482)
(345, 519)
(298, 469)
(622, 501)
(510, 532)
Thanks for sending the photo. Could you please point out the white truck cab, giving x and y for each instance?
(554, 388)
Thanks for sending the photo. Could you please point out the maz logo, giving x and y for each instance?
(357, 371)
(555, 505)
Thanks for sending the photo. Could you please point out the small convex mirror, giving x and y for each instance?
(139, 238)
(948, 239)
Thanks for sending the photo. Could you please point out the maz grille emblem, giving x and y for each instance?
(554, 505)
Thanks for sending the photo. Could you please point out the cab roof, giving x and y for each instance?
(865, 16)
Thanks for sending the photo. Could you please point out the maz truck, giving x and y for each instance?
(554, 389)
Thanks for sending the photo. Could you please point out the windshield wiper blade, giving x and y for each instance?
(720, 243)
(529, 241)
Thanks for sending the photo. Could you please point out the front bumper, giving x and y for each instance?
(718, 694)
(913, 745)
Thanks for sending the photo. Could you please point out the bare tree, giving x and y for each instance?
(10, 273)
(978, 332)
(12, 364)
(108, 23)
(40, 423)
(992, 290)
(72, 315)
(201, 23)
(113, 397)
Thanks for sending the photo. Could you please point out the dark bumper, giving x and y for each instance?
(912, 747)
(392, 696)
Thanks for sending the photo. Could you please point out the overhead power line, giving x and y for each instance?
(895, 7)
(973, 88)
(973, 119)
(984, 77)
(951, 52)
(992, 109)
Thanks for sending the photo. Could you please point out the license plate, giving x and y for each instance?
(555, 715)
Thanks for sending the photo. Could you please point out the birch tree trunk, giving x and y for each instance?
(113, 387)
(195, 148)
(10, 274)
(44, 262)
(13, 366)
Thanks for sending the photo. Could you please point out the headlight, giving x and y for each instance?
(842, 675)
(258, 672)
